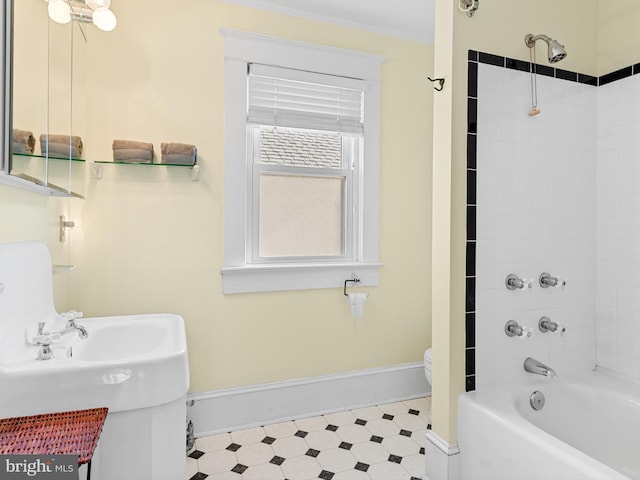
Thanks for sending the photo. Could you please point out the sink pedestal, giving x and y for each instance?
(143, 444)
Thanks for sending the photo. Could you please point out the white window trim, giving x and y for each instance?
(238, 276)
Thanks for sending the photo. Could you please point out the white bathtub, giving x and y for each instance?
(588, 429)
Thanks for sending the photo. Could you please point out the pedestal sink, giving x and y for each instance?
(135, 365)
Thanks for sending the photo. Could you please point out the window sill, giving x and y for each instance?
(273, 278)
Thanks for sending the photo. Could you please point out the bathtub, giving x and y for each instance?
(588, 428)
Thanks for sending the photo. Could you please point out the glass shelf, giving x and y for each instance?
(33, 184)
(96, 167)
(50, 157)
(108, 162)
(48, 175)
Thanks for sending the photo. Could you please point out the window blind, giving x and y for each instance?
(293, 98)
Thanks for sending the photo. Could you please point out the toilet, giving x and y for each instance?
(427, 365)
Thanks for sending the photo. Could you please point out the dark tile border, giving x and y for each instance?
(617, 75)
(472, 121)
(473, 58)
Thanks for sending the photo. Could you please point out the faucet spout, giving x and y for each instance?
(532, 365)
(82, 332)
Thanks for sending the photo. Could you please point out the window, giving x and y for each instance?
(302, 196)
(301, 165)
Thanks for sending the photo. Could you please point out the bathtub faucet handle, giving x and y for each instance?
(546, 281)
(512, 329)
(513, 282)
(546, 325)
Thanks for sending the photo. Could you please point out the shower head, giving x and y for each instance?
(556, 51)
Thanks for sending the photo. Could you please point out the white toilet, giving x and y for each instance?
(427, 365)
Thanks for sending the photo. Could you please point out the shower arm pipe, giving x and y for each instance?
(530, 40)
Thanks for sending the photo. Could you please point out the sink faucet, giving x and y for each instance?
(82, 332)
(534, 366)
(45, 339)
(72, 326)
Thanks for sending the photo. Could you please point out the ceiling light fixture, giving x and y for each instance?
(86, 11)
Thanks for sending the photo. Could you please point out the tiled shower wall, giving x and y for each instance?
(535, 212)
(618, 218)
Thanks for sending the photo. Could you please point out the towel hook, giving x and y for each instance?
(440, 83)
(354, 280)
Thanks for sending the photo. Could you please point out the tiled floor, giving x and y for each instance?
(385, 442)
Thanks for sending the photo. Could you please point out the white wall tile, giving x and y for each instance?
(618, 228)
(608, 95)
(537, 197)
(488, 126)
(488, 77)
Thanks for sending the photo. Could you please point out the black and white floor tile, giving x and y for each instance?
(385, 442)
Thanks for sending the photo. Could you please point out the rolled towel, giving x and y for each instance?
(128, 144)
(133, 155)
(179, 153)
(61, 145)
(132, 151)
(177, 159)
(73, 140)
(60, 150)
(178, 148)
(23, 141)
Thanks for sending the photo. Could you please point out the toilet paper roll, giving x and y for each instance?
(356, 301)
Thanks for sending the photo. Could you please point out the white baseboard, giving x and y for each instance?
(254, 405)
(442, 460)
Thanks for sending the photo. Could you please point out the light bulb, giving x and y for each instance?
(95, 4)
(59, 11)
(104, 19)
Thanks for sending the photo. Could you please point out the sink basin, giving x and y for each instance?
(124, 338)
(127, 362)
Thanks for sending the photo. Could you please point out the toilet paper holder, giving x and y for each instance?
(355, 280)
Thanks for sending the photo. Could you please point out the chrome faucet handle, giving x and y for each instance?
(513, 282)
(70, 317)
(71, 314)
(546, 281)
(546, 325)
(41, 327)
(512, 329)
(45, 339)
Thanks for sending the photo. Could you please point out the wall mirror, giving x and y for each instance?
(46, 78)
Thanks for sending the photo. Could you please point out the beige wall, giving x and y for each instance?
(498, 27)
(152, 240)
(26, 216)
(618, 35)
